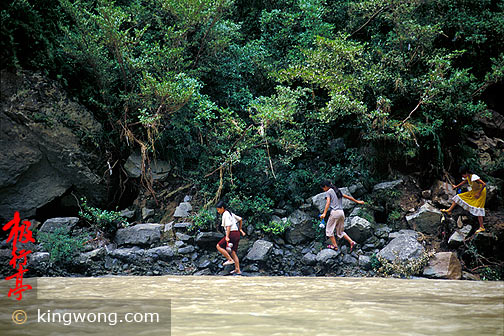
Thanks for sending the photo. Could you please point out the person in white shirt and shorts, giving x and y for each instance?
(228, 245)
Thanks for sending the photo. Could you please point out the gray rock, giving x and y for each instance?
(179, 244)
(442, 193)
(365, 262)
(326, 256)
(365, 213)
(457, 238)
(186, 250)
(280, 212)
(305, 207)
(187, 198)
(387, 185)
(182, 226)
(146, 213)
(37, 258)
(426, 219)
(133, 166)
(301, 228)
(140, 234)
(94, 254)
(204, 263)
(127, 213)
(183, 237)
(278, 252)
(168, 227)
(164, 253)
(183, 210)
(382, 231)
(259, 250)
(444, 265)
(402, 248)
(208, 238)
(131, 254)
(42, 156)
(348, 259)
(357, 190)
(309, 259)
(409, 233)
(60, 222)
(359, 229)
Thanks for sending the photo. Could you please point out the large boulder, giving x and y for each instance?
(442, 193)
(444, 265)
(387, 185)
(363, 212)
(359, 229)
(259, 250)
(140, 234)
(164, 253)
(458, 237)
(208, 239)
(327, 256)
(42, 133)
(357, 190)
(183, 210)
(52, 224)
(131, 254)
(365, 262)
(133, 166)
(426, 219)
(309, 259)
(301, 228)
(403, 247)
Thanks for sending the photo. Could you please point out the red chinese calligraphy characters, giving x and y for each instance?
(19, 233)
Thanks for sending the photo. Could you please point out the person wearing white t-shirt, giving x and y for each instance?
(232, 239)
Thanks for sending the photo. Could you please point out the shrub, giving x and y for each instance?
(276, 227)
(60, 244)
(102, 220)
(204, 220)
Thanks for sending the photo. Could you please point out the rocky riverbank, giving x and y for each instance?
(422, 242)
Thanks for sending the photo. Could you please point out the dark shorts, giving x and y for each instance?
(234, 237)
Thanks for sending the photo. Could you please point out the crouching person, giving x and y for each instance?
(228, 245)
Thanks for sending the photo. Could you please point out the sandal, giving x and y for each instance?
(332, 247)
(481, 229)
(352, 244)
(228, 262)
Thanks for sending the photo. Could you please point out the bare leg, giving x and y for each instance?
(450, 209)
(237, 262)
(480, 221)
(224, 253)
(349, 240)
(333, 241)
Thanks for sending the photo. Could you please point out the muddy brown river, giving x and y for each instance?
(208, 305)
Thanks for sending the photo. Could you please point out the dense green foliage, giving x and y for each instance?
(247, 98)
(204, 220)
(105, 221)
(61, 245)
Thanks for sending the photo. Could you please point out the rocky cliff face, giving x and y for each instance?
(42, 137)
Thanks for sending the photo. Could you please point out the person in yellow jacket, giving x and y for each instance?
(472, 200)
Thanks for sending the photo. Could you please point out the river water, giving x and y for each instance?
(264, 306)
